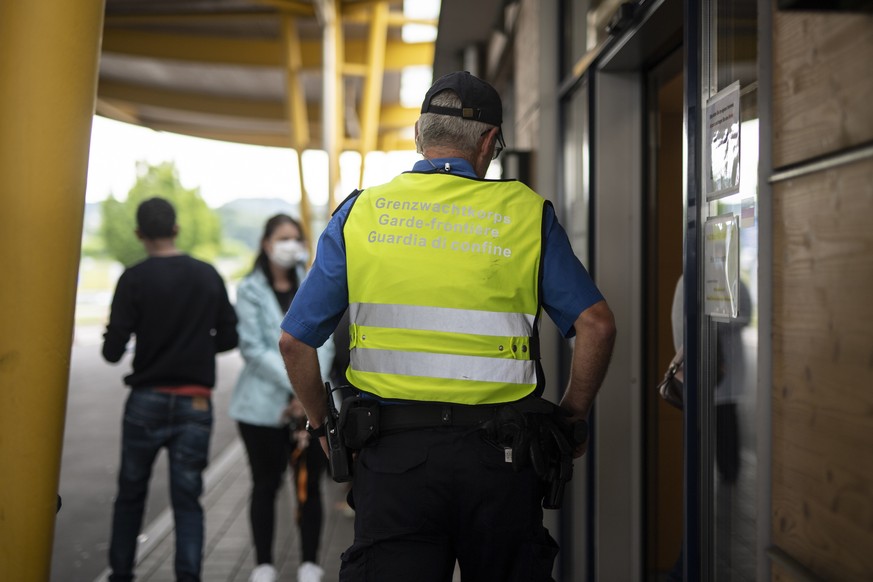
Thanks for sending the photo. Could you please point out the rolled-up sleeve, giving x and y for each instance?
(568, 289)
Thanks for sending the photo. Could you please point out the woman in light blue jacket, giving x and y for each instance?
(269, 418)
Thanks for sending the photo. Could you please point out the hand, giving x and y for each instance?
(578, 449)
(301, 438)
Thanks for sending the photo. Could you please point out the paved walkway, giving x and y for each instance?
(228, 548)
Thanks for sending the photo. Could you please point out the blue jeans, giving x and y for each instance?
(182, 424)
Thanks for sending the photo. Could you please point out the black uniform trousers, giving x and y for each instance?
(425, 498)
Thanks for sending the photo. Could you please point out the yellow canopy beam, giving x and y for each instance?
(356, 15)
(372, 98)
(113, 91)
(296, 108)
(182, 47)
(388, 141)
(399, 55)
(122, 20)
(289, 6)
(250, 51)
(296, 100)
(398, 117)
(395, 19)
(356, 69)
(124, 98)
(333, 118)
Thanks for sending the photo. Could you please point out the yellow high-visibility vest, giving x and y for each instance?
(443, 276)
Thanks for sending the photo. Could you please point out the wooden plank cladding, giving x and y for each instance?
(822, 84)
(822, 495)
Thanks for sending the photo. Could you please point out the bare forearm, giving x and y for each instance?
(301, 362)
(595, 336)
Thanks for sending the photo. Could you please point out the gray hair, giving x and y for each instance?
(435, 130)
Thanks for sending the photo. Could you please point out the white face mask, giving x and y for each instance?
(287, 253)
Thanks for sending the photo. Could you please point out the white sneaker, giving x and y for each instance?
(263, 573)
(309, 572)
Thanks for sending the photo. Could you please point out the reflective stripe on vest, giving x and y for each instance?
(446, 366)
(496, 346)
(443, 276)
(441, 319)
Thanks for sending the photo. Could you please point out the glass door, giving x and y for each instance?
(729, 275)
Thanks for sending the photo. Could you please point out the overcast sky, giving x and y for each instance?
(223, 171)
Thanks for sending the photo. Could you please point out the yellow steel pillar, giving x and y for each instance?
(372, 101)
(333, 112)
(298, 119)
(49, 55)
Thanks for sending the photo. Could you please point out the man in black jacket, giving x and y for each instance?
(177, 307)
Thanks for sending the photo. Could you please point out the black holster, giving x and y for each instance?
(338, 455)
(540, 434)
(359, 421)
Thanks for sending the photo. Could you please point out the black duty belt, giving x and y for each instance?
(398, 417)
(531, 431)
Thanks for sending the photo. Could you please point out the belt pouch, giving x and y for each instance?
(359, 420)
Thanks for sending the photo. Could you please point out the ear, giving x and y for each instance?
(418, 149)
(491, 139)
(138, 234)
(175, 230)
(483, 156)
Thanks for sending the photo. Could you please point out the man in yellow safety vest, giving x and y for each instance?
(445, 275)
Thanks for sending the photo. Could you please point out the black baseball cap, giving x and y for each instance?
(479, 100)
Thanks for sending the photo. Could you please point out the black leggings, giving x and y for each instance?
(270, 451)
(307, 465)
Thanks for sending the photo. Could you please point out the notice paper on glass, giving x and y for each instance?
(722, 269)
(722, 148)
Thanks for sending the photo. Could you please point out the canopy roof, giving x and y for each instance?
(304, 74)
(253, 71)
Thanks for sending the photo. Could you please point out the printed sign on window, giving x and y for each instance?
(723, 143)
(722, 268)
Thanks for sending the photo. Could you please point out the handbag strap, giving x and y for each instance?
(676, 363)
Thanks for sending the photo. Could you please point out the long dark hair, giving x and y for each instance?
(262, 261)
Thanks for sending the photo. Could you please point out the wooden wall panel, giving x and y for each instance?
(780, 574)
(822, 84)
(823, 371)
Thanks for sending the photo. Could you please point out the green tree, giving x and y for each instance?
(118, 234)
(199, 226)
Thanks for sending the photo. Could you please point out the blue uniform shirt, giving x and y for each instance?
(319, 304)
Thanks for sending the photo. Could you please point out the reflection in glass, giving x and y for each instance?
(734, 401)
(733, 380)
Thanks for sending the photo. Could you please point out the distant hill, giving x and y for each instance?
(244, 219)
(241, 220)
